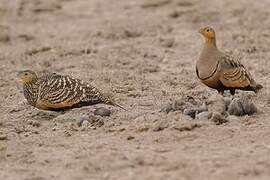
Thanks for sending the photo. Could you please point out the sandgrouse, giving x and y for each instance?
(221, 71)
(54, 91)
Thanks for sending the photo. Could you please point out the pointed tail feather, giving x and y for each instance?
(110, 101)
(117, 105)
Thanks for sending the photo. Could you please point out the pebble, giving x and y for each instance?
(227, 101)
(242, 106)
(102, 112)
(205, 115)
(235, 108)
(190, 112)
(80, 120)
(248, 106)
(3, 137)
(130, 138)
(168, 42)
(154, 3)
(85, 125)
(193, 111)
(34, 123)
(218, 118)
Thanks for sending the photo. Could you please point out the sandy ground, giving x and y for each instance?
(143, 52)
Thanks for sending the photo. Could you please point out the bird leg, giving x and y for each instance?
(232, 91)
(221, 92)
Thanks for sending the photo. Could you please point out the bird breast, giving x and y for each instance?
(208, 67)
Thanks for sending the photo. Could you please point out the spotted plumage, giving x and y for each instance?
(54, 91)
(221, 71)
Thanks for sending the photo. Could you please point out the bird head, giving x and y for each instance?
(27, 76)
(207, 32)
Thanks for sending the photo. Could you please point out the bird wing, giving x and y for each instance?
(57, 91)
(233, 73)
(92, 95)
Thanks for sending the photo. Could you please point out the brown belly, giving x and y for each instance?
(210, 78)
(46, 106)
(212, 82)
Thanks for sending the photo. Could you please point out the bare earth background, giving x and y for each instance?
(143, 52)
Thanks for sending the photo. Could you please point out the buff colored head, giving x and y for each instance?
(208, 33)
(27, 76)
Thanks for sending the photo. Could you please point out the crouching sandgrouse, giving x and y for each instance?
(54, 91)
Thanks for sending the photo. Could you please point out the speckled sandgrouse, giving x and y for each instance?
(54, 91)
(221, 71)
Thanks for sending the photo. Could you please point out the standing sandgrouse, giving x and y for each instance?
(221, 71)
(54, 91)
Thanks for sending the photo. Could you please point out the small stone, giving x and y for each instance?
(193, 111)
(187, 127)
(241, 106)
(130, 138)
(168, 42)
(202, 108)
(218, 118)
(26, 37)
(142, 129)
(80, 120)
(154, 3)
(3, 137)
(174, 14)
(181, 105)
(158, 128)
(205, 115)
(132, 33)
(85, 125)
(34, 123)
(248, 106)
(190, 112)
(102, 112)
(227, 101)
(235, 108)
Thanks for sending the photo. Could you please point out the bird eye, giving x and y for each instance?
(207, 30)
(25, 74)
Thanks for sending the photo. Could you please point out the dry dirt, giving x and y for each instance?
(143, 52)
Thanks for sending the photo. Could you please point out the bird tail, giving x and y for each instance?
(110, 101)
(117, 105)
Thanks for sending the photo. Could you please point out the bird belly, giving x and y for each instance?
(209, 75)
(212, 82)
(48, 105)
